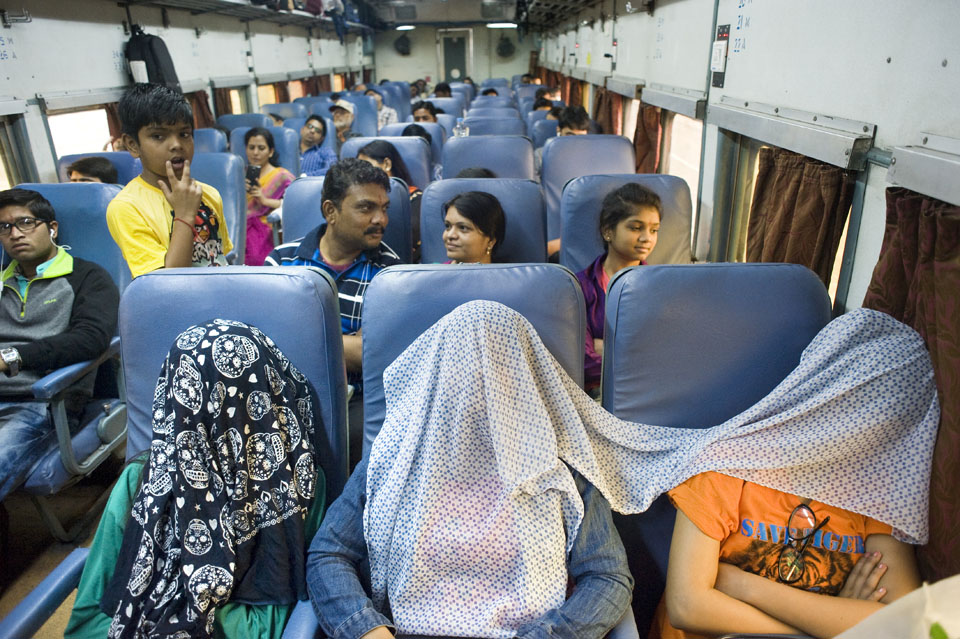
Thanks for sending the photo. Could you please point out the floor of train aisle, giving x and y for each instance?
(32, 552)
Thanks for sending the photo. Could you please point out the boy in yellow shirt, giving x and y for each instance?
(164, 218)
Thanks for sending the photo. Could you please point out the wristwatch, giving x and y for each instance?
(11, 358)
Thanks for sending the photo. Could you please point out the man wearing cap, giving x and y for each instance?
(343, 113)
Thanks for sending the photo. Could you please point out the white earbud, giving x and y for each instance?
(51, 234)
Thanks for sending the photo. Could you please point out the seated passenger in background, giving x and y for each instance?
(315, 159)
(92, 169)
(343, 115)
(349, 247)
(490, 91)
(476, 172)
(629, 224)
(384, 155)
(164, 218)
(385, 114)
(424, 111)
(474, 226)
(548, 93)
(215, 505)
(467, 80)
(442, 90)
(571, 121)
(542, 104)
(527, 78)
(69, 316)
(554, 113)
(264, 194)
(417, 131)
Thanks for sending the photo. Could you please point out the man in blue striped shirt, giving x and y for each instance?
(315, 159)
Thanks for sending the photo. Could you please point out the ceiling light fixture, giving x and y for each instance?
(501, 25)
(406, 27)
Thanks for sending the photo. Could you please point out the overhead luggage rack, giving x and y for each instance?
(243, 10)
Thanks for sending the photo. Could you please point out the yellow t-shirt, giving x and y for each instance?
(141, 220)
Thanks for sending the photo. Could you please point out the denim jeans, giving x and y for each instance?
(338, 572)
(26, 431)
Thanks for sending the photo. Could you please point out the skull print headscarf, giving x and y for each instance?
(231, 469)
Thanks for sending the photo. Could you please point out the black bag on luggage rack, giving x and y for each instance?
(149, 59)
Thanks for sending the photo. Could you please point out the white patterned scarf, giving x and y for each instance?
(470, 510)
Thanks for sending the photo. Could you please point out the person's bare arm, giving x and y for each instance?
(693, 603)
(184, 195)
(380, 632)
(353, 352)
(875, 584)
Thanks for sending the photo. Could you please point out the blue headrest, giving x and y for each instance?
(365, 119)
(528, 91)
(225, 172)
(128, 167)
(543, 130)
(287, 142)
(490, 101)
(493, 112)
(533, 116)
(495, 82)
(470, 89)
(81, 211)
(320, 106)
(508, 156)
(285, 109)
(447, 121)
(301, 207)
(403, 301)
(580, 206)
(453, 106)
(209, 141)
(438, 135)
(329, 141)
(414, 150)
(249, 120)
(463, 93)
(524, 105)
(174, 299)
(567, 157)
(495, 126)
(399, 232)
(525, 239)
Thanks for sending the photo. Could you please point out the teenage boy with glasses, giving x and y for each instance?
(315, 159)
(55, 310)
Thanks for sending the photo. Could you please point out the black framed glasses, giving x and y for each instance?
(801, 528)
(23, 224)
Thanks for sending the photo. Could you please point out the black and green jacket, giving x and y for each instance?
(67, 315)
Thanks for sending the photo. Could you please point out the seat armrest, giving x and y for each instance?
(59, 380)
(303, 623)
(31, 613)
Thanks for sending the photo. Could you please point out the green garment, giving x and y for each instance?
(233, 620)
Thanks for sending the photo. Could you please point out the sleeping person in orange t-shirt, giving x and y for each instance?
(750, 559)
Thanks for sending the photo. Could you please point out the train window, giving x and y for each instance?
(630, 108)
(84, 131)
(295, 89)
(266, 94)
(6, 164)
(238, 101)
(682, 155)
(339, 82)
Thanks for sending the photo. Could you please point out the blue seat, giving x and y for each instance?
(320, 106)
(447, 121)
(580, 206)
(399, 232)
(526, 234)
(495, 82)
(233, 120)
(402, 92)
(128, 167)
(225, 172)
(414, 150)
(508, 156)
(285, 110)
(209, 141)
(502, 91)
(524, 105)
(527, 91)
(329, 141)
(438, 135)
(463, 93)
(543, 130)
(532, 117)
(453, 106)
(724, 334)
(493, 112)
(469, 89)
(490, 101)
(565, 158)
(308, 100)
(81, 211)
(365, 116)
(495, 126)
(286, 140)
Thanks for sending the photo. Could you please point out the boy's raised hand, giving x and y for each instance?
(184, 194)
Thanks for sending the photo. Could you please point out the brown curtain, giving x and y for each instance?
(799, 208)
(221, 101)
(576, 96)
(646, 139)
(917, 281)
(608, 111)
(202, 115)
(311, 85)
(113, 119)
(367, 76)
(325, 84)
(282, 91)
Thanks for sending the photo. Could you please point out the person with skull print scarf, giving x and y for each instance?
(217, 531)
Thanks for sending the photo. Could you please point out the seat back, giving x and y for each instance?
(495, 126)
(532, 117)
(438, 136)
(403, 301)
(128, 167)
(225, 172)
(453, 106)
(287, 142)
(580, 206)
(493, 112)
(209, 141)
(508, 156)
(320, 106)
(233, 120)
(463, 93)
(447, 121)
(524, 105)
(525, 239)
(402, 92)
(567, 157)
(495, 82)
(543, 130)
(81, 210)
(491, 101)
(365, 115)
(414, 150)
(527, 91)
(469, 89)
(329, 141)
(301, 207)
(175, 299)
(285, 110)
(690, 347)
(399, 232)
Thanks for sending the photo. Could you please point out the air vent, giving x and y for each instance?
(405, 12)
(490, 11)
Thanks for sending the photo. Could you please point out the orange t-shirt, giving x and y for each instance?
(750, 523)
